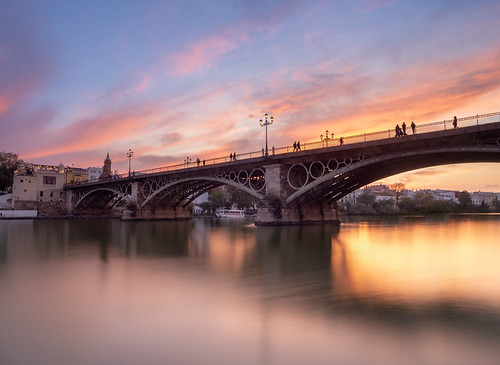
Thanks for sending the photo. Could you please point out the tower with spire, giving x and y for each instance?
(106, 169)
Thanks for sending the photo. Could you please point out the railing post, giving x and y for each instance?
(477, 119)
(444, 122)
(365, 137)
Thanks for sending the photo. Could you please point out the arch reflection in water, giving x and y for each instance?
(400, 291)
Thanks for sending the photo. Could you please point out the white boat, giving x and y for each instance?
(230, 213)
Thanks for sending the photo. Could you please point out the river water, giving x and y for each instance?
(410, 290)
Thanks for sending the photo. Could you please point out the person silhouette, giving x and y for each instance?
(413, 126)
(404, 128)
(294, 146)
(455, 122)
(298, 145)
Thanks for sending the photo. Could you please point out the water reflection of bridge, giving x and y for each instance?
(293, 187)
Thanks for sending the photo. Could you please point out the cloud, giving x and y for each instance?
(367, 6)
(205, 53)
(24, 63)
(89, 133)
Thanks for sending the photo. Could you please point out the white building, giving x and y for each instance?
(94, 173)
(445, 195)
(478, 197)
(44, 184)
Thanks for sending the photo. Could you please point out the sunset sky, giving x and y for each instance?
(171, 79)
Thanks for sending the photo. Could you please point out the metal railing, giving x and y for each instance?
(306, 146)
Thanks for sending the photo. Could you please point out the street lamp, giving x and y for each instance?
(187, 161)
(130, 153)
(266, 123)
(326, 138)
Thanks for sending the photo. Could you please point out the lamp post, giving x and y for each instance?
(326, 138)
(265, 123)
(130, 153)
(187, 161)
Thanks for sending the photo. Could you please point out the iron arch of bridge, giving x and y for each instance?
(335, 184)
(188, 189)
(93, 192)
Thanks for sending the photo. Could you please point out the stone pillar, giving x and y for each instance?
(69, 202)
(273, 210)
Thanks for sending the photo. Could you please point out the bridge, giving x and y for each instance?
(293, 187)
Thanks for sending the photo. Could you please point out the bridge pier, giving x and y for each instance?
(273, 210)
(131, 213)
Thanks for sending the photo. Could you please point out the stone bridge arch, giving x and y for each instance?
(101, 196)
(184, 191)
(334, 183)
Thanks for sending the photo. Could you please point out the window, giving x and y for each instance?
(61, 194)
(21, 180)
(41, 193)
(51, 194)
(49, 180)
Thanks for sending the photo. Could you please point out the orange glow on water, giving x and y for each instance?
(419, 262)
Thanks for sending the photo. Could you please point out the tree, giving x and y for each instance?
(464, 200)
(424, 200)
(366, 198)
(407, 205)
(364, 203)
(218, 199)
(384, 206)
(240, 198)
(9, 163)
(398, 187)
(495, 205)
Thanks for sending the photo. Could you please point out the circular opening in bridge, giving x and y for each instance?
(154, 186)
(297, 176)
(332, 164)
(223, 175)
(347, 161)
(316, 169)
(361, 158)
(257, 180)
(232, 176)
(146, 190)
(242, 177)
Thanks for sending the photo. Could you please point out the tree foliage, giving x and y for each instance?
(422, 203)
(464, 200)
(9, 163)
(226, 198)
(240, 198)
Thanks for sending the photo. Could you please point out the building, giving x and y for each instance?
(93, 173)
(480, 197)
(43, 183)
(75, 175)
(106, 169)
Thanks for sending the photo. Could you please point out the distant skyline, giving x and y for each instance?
(172, 79)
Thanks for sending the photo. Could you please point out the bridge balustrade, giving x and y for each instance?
(305, 146)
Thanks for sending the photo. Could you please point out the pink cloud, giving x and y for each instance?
(204, 53)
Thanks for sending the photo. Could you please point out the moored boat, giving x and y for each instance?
(230, 213)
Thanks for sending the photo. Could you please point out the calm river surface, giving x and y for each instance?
(413, 290)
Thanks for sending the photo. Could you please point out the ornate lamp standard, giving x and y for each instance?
(266, 123)
(326, 138)
(187, 161)
(130, 153)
